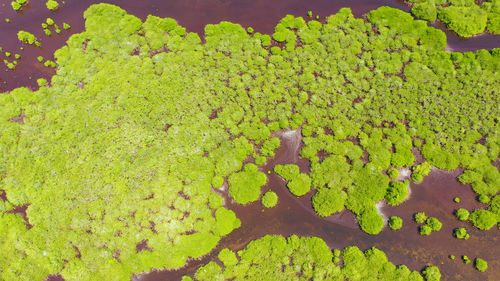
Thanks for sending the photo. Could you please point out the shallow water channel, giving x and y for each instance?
(292, 215)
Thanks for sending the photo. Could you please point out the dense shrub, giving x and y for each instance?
(462, 214)
(395, 223)
(465, 21)
(245, 186)
(327, 201)
(425, 11)
(269, 199)
(480, 264)
(434, 224)
(461, 233)
(420, 217)
(483, 219)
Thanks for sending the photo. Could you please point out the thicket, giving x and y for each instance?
(143, 126)
(306, 258)
(466, 18)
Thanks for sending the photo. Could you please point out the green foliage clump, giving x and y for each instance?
(269, 146)
(227, 257)
(466, 259)
(425, 11)
(457, 200)
(483, 198)
(480, 264)
(52, 5)
(269, 199)
(420, 217)
(15, 5)
(461, 233)
(425, 230)
(327, 201)
(299, 184)
(26, 37)
(462, 214)
(432, 273)
(370, 221)
(244, 187)
(226, 221)
(279, 258)
(434, 224)
(395, 223)
(465, 21)
(483, 219)
(420, 171)
(393, 173)
(397, 192)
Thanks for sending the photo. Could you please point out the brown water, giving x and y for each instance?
(263, 15)
(295, 216)
(292, 215)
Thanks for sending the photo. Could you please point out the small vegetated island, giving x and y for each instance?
(144, 128)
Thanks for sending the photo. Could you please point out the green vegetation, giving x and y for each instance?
(52, 5)
(434, 224)
(466, 259)
(299, 184)
(327, 201)
(420, 217)
(480, 264)
(457, 200)
(466, 18)
(143, 124)
(483, 219)
(397, 192)
(425, 230)
(26, 37)
(461, 233)
(420, 171)
(393, 173)
(462, 214)
(425, 11)
(451, 257)
(245, 186)
(395, 223)
(269, 199)
(465, 21)
(432, 273)
(483, 198)
(18, 4)
(306, 258)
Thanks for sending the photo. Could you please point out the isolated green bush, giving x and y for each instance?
(480, 264)
(269, 199)
(395, 223)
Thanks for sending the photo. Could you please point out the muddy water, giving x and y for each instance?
(193, 14)
(295, 216)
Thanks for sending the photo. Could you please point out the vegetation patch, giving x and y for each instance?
(143, 126)
(306, 258)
